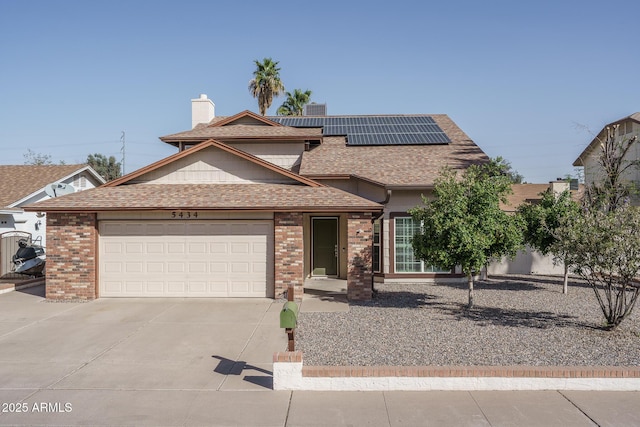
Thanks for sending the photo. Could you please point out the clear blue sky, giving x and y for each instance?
(525, 80)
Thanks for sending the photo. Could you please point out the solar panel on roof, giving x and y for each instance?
(374, 130)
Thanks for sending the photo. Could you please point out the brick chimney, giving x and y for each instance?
(202, 110)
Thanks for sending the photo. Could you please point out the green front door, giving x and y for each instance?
(325, 246)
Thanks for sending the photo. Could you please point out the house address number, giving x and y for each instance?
(184, 214)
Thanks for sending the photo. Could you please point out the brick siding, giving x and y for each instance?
(71, 256)
(359, 243)
(288, 254)
(459, 371)
(288, 356)
(473, 371)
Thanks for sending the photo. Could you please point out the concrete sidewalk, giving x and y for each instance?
(187, 362)
(157, 407)
(324, 295)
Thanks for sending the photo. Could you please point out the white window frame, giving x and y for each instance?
(423, 270)
(377, 223)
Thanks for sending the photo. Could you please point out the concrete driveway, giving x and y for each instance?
(173, 362)
(138, 361)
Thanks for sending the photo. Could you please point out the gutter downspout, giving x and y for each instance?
(384, 202)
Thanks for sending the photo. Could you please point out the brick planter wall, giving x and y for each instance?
(359, 243)
(289, 254)
(289, 373)
(71, 256)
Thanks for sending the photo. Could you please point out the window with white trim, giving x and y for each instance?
(405, 260)
(376, 246)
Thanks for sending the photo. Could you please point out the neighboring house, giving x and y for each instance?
(21, 185)
(529, 261)
(624, 130)
(251, 205)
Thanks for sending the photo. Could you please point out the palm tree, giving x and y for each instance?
(294, 103)
(266, 83)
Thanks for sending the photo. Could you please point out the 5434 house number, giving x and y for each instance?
(184, 214)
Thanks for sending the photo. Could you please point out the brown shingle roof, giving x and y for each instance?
(391, 165)
(531, 193)
(244, 125)
(523, 193)
(19, 181)
(244, 132)
(394, 165)
(265, 197)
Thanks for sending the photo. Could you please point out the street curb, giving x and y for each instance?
(11, 287)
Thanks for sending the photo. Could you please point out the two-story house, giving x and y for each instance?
(623, 130)
(250, 206)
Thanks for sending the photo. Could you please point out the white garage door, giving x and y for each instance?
(186, 258)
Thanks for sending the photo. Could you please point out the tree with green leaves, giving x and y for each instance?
(603, 242)
(294, 103)
(38, 159)
(604, 250)
(266, 83)
(108, 168)
(463, 225)
(503, 167)
(542, 222)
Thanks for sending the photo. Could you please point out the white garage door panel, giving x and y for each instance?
(186, 258)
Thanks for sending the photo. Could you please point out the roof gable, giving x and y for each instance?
(21, 182)
(635, 117)
(243, 126)
(245, 117)
(213, 166)
(158, 172)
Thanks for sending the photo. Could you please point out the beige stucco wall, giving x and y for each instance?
(284, 154)
(348, 185)
(592, 170)
(356, 186)
(370, 191)
(527, 262)
(212, 166)
(403, 200)
(400, 201)
(633, 173)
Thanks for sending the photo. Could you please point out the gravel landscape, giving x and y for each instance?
(517, 320)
